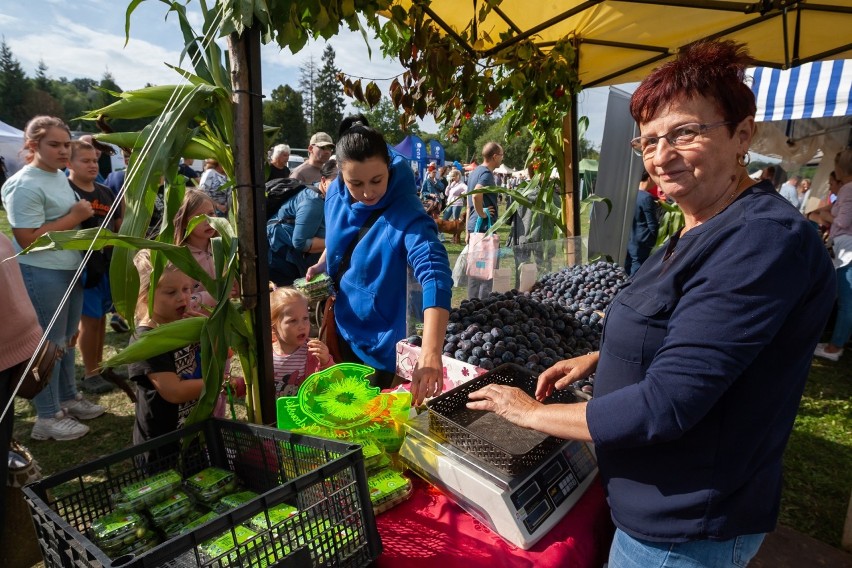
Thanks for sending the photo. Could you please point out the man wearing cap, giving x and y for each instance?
(319, 151)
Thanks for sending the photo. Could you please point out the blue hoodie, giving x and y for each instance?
(371, 301)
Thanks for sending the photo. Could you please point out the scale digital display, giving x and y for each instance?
(547, 488)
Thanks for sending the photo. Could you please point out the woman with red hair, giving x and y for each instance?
(705, 353)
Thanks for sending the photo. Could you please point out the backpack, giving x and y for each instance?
(280, 191)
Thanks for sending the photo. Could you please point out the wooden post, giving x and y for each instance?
(571, 189)
(248, 152)
(568, 159)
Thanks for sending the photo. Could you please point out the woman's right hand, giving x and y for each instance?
(318, 268)
(82, 209)
(564, 373)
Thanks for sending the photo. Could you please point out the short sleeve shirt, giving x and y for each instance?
(33, 197)
(156, 416)
(307, 173)
(481, 176)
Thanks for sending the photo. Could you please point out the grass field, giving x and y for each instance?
(817, 465)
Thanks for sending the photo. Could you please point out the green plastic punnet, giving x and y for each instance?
(234, 500)
(319, 288)
(211, 484)
(147, 492)
(277, 515)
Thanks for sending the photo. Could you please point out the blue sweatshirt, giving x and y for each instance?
(370, 306)
(703, 361)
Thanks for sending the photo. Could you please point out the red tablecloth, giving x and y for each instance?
(430, 530)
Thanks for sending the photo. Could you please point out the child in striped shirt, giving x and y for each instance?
(294, 355)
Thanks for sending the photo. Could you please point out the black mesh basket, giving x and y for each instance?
(324, 479)
(490, 437)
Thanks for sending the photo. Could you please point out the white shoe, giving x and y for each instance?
(82, 409)
(61, 427)
(821, 352)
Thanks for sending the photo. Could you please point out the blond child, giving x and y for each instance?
(294, 355)
(168, 385)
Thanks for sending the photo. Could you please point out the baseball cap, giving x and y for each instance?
(430, 167)
(321, 139)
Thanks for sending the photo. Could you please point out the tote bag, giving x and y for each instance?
(482, 256)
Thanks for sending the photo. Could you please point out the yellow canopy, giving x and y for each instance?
(620, 42)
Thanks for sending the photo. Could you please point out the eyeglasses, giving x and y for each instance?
(679, 137)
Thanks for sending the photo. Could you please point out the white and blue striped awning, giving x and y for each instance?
(812, 90)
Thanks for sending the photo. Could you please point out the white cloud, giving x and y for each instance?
(6, 20)
(77, 51)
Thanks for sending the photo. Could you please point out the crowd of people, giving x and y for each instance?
(704, 353)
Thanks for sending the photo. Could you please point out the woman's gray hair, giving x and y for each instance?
(279, 149)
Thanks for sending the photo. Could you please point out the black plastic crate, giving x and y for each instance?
(324, 479)
(490, 437)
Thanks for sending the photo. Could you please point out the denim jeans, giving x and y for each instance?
(629, 552)
(46, 288)
(452, 212)
(843, 325)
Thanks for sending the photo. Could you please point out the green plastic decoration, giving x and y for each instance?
(339, 403)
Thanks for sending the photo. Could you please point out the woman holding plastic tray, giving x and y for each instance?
(373, 205)
(704, 355)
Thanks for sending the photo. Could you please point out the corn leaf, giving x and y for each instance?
(165, 338)
(180, 256)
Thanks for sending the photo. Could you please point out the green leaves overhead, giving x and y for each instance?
(289, 23)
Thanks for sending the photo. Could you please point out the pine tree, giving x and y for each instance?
(329, 101)
(41, 81)
(14, 88)
(285, 110)
(307, 85)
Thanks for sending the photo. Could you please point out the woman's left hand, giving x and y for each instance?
(316, 269)
(427, 379)
(511, 403)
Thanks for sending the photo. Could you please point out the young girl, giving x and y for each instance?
(294, 356)
(168, 385)
(38, 199)
(195, 203)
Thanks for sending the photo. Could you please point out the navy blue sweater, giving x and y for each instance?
(702, 365)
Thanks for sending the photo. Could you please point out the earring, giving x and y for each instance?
(744, 160)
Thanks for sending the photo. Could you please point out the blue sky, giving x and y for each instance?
(85, 38)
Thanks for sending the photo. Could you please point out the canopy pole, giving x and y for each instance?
(571, 191)
(251, 207)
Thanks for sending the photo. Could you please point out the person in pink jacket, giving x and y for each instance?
(19, 336)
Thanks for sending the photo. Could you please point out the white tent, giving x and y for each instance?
(802, 111)
(11, 143)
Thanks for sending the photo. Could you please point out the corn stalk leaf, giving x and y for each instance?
(165, 338)
(83, 239)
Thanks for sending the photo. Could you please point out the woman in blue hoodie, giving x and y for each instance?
(370, 305)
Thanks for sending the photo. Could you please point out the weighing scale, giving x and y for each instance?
(520, 509)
